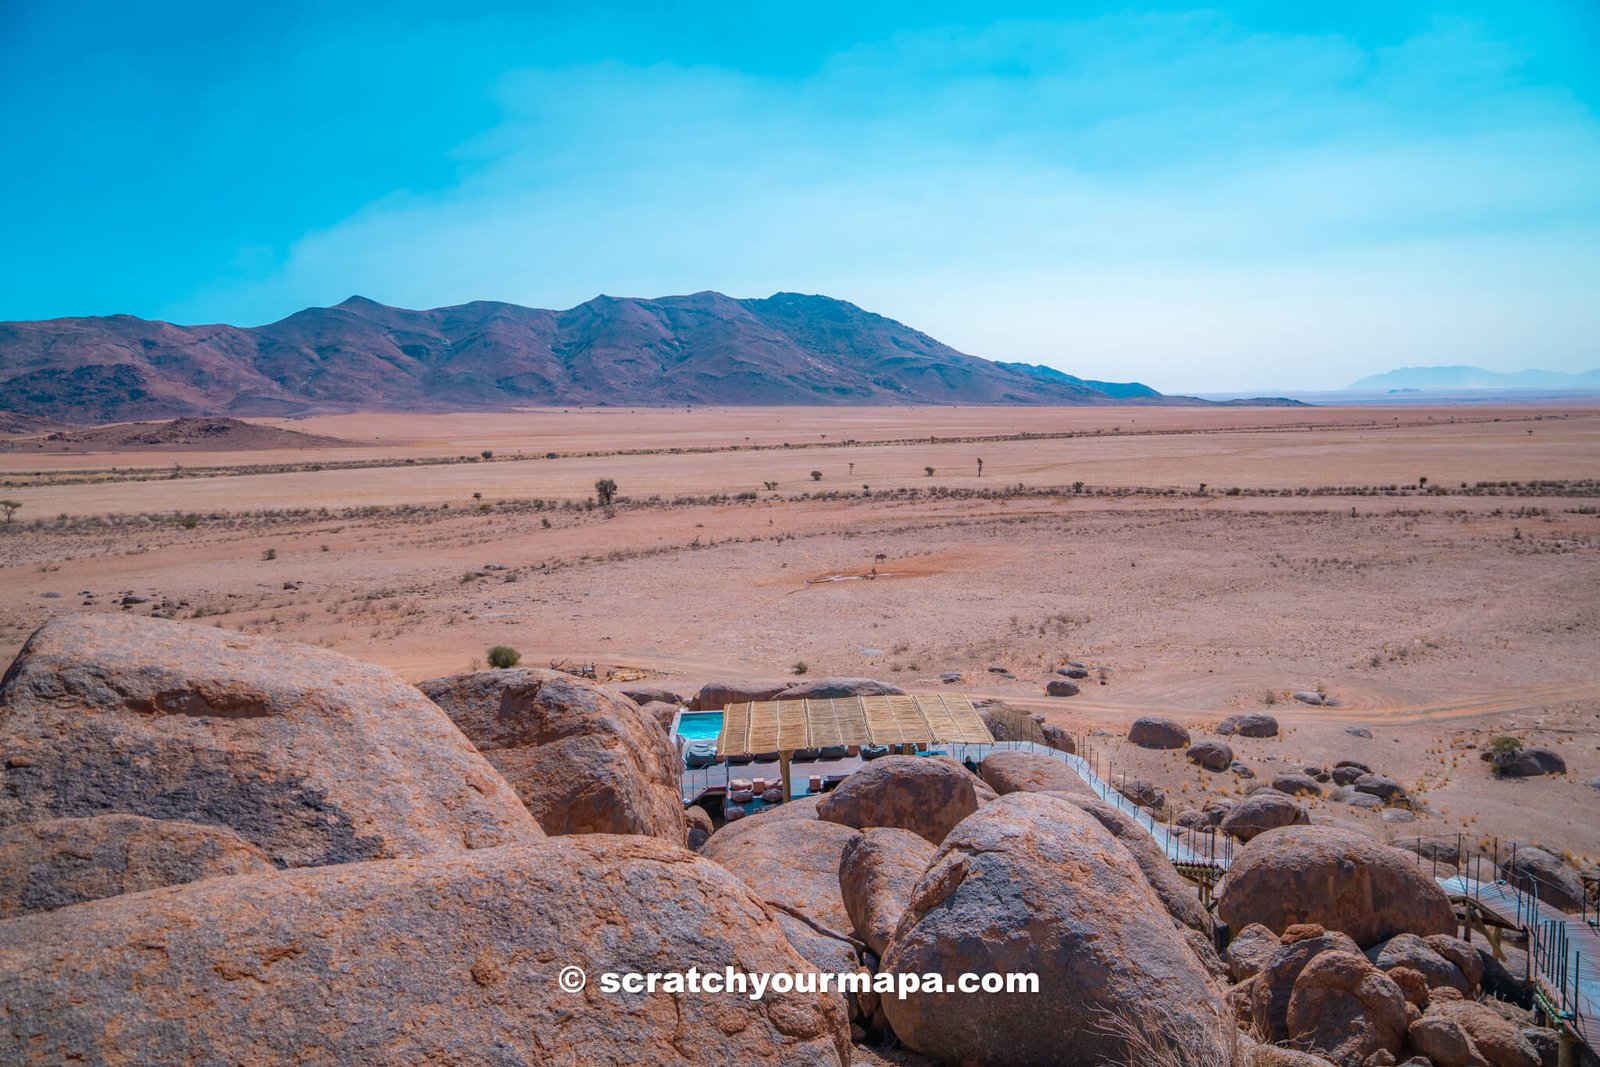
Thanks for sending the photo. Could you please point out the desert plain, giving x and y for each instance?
(1435, 571)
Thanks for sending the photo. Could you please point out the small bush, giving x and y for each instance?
(189, 522)
(800, 667)
(270, 554)
(816, 476)
(1503, 752)
(502, 657)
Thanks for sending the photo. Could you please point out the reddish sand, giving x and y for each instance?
(1436, 620)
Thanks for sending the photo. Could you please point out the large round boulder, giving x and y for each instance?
(1273, 986)
(1260, 812)
(792, 864)
(51, 864)
(1329, 876)
(804, 810)
(583, 759)
(444, 959)
(1032, 885)
(1177, 893)
(927, 796)
(1152, 731)
(1347, 1009)
(878, 869)
(308, 755)
(1016, 771)
(826, 688)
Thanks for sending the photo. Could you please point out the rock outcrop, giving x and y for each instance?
(824, 688)
(442, 959)
(583, 759)
(308, 755)
(1031, 884)
(1320, 874)
(714, 696)
(927, 796)
(51, 864)
(878, 869)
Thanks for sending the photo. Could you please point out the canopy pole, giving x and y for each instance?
(783, 768)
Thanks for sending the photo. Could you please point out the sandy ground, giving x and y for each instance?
(1436, 620)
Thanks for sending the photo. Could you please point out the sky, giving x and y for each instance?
(1230, 197)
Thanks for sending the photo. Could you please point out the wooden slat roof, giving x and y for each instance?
(786, 725)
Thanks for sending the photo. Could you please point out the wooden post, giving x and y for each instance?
(783, 768)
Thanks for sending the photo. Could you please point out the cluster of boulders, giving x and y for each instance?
(221, 849)
(215, 848)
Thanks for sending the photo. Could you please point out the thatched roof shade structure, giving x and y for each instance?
(785, 726)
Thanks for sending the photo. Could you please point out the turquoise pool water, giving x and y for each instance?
(700, 725)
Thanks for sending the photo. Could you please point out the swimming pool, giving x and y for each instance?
(700, 725)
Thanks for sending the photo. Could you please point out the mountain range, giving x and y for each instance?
(361, 355)
(1465, 377)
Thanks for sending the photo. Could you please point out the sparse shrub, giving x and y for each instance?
(816, 476)
(486, 454)
(270, 554)
(1269, 698)
(189, 522)
(545, 523)
(605, 490)
(10, 507)
(503, 657)
(800, 667)
(770, 486)
(325, 548)
(1503, 752)
(928, 471)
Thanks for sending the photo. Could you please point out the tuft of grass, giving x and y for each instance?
(503, 657)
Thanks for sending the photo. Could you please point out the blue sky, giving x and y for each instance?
(1204, 198)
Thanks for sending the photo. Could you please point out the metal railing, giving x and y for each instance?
(1487, 874)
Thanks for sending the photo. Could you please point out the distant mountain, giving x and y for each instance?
(1120, 390)
(364, 356)
(1444, 379)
